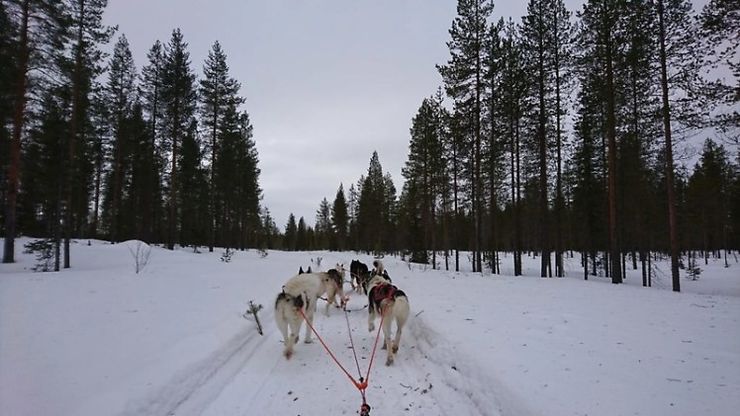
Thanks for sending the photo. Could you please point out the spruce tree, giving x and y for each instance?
(323, 228)
(150, 86)
(178, 100)
(291, 230)
(120, 96)
(340, 220)
(218, 91)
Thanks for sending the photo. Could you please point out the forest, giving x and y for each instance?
(552, 136)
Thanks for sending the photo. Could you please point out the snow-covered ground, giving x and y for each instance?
(100, 339)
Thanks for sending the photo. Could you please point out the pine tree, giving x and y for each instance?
(721, 31)
(291, 231)
(120, 96)
(8, 57)
(708, 196)
(561, 64)
(151, 85)
(676, 49)
(192, 196)
(85, 32)
(218, 92)
(465, 84)
(32, 30)
(323, 228)
(178, 99)
(340, 220)
(422, 178)
(302, 237)
(513, 87)
(600, 38)
(371, 208)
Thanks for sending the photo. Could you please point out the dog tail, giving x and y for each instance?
(296, 301)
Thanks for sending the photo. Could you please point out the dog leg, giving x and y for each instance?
(397, 340)
(309, 318)
(387, 336)
(402, 315)
(371, 319)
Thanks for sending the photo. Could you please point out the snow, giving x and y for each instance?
(99, 339)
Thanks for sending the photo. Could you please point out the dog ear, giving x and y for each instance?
(309, 270)
(300, 270)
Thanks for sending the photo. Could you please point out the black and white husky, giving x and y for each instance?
(391, 303)
(302, 291)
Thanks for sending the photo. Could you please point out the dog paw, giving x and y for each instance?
(389, 361)
(371, 328)
(287, 354)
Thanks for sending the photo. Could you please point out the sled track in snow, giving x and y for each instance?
(436, 361)
(191, 390)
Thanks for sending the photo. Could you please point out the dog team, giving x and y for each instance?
(301, 293)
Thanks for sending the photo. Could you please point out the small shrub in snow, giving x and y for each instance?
(226, 255)
(44, 250)
(141, 253)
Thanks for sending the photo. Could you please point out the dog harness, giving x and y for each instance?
(383, 291)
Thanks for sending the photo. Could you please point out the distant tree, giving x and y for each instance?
(340, 220)
(371, 211)
(302, 236)
(422, 179)
(323, 228)
(708, 197)
(291, 231)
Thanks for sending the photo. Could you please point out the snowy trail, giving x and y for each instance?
(248, 375)
(194, 388)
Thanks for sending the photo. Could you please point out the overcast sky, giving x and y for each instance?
(327, 82)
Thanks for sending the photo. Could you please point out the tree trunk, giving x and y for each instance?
(74, 131)
(672, 223)
(15, 145)
(559, 272)
(614, 249)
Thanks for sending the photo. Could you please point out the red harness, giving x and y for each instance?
(383, 291)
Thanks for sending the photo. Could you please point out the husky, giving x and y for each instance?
(301, 292)
(360, 275)
(379, 270)
(392, 304)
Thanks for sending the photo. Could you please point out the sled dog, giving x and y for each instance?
(392, 304)
(302, 292)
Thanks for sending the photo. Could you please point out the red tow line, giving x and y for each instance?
(363, 383)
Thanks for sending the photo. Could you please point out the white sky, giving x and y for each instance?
(327, 82)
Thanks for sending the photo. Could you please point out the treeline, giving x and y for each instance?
(556, 134)
(91, 147)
